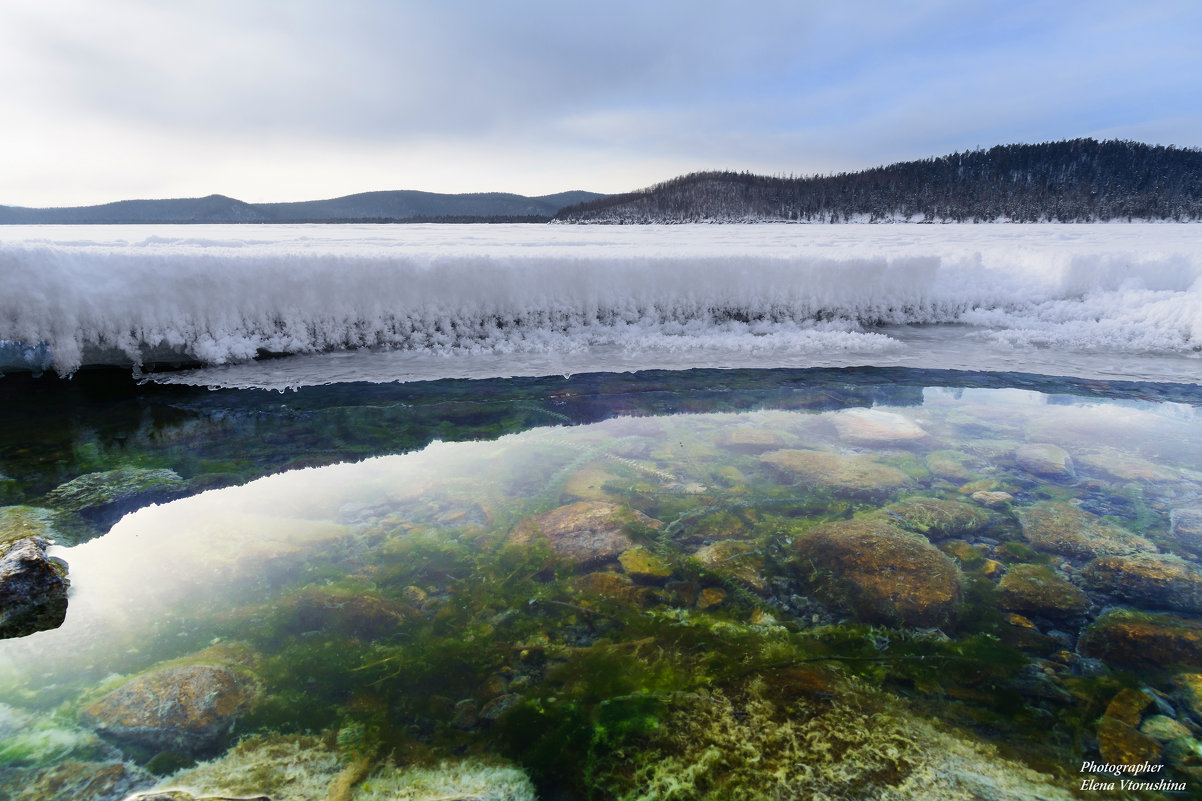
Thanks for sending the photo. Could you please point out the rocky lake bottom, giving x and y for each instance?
(779, 584)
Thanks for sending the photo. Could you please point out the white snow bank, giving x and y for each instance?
(223, 294)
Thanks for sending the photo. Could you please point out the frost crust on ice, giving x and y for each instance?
(222, 294)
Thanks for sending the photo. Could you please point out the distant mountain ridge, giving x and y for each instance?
(394, 206)
(1080, 180)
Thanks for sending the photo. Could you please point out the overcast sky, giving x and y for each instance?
(303, 99)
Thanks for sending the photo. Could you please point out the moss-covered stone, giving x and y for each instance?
(1189, 685)
(1157, 641)
(1185, 531)
(80, 781)
(937, 519)
(954, 466)
(710, 597)
(1066, 529)
(644, 565)
(587, 533)
(612, 587)
(856, 475)
(1125, 466)
(737, 559)
(1153, 580)
(105, 497)
(188, 705)
(1123, 744)
(1038, 590)
(992, 499)
(880, 572)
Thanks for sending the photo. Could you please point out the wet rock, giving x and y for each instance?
(645, 566)
(1163, 728)
(467, 715)
(876, 427)
(937, 519)
(587, 533)
(1125, 466)
(104, 498)
(1122, 744)
(857, 476)
(33, 588)
(1133, 639)
(1046, 460)
(734, 558)
(1159, 581)
(498, 706)
(1065, 529)
(56, 526)
(992, 499)
(710, 597)
(750, 440)
(187, 708)
(1190, 687)
(954, 466)
(612, 587)
(880, 572)
(1037, 590)
(1185, 531)
(1185, 754)
(271, 767)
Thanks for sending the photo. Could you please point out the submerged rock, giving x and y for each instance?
(1037, 590)
(750, 440)
(587, 533)
(858, 475)
(187, 708)
(1154, 580)
(1119, 739)
(645, 566)
(937, 519)
(1046, 460)
(881, 572)
(737, 559)
(33, 588)
(616, 587)
(1185, 531)
(876, 427)
(955, 466)
(1133, 639)
(1125, 466)
(104, 498)
(992, 499)
(1065, 529)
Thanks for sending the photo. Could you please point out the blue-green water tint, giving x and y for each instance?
(775, 626)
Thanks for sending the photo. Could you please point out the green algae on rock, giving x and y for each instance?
(104, 497)
(1038, 590)
(1148, 640)
(1156, 581)
(856, 475)
(879, 571)
(937, 519)
(586, 533)
(1069, 530)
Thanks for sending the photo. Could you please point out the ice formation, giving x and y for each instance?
(225, 294)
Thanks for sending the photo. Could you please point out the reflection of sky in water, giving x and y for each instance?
(162, 568)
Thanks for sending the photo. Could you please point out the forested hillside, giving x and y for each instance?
(1082, 180)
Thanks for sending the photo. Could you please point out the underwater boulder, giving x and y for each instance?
(1142, 639)
(587, 533)
(1037, 590)
(736, 559)
(880, 572)
(1066, 529)
(856, 475)
(876, 427)
(1159, 581)
(187, 708)
(645, 566)
(1119, 739)
(1125, 466)
(954, 466)
(750, 440)
(104, 498)
(937, 519)
(1045, 460)
(33, 588)
(1185, 531)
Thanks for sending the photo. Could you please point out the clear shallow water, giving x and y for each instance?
(767, 608)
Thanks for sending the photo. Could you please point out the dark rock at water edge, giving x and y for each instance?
(33, 588)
